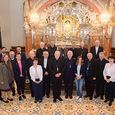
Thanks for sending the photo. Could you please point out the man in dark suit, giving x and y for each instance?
(69, 74)
(44, 62)
(56, 67)
(23, 56)
(96, 49)
(12, 58)
(3, 51)
(39, 52)
(82, 51)
(100, 82)
(63, 51)
(90, 75)
(29, 63)
(74, 50)
(51, 49)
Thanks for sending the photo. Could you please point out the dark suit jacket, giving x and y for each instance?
(65, 53)
(82, 52)
(82, 70)
(99, 68)
(41, 62)
(53, 67)
(29, 63)
(17, 69)
(74, 52)
(39, 53)
(69, 72)
(51, 51)
(93, 51)
(0, 56)
(92, 69)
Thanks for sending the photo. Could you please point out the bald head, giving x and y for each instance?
(97, 43)
(89, 56)
(57, 55)
(41, 45)
(69, 54)
(12, 54)
(32, 54)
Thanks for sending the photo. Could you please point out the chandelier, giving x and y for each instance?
(34, 17)
(105, 18)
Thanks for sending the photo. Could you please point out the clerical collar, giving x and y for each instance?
(69, 59)
(12, 58)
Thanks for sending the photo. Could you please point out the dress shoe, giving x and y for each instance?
(40, 101)
(70, 96)
(5, 101)
(90, 98)
(110, 103)
(1, 99)
(54, 100)
(60, 99)
(48, 96)
(106, 101)
(35, 101)
(13, 94)
(86, 96)
(101, 98)
(24, 96)
(96, 96)
(32, 95)
(10, 99)
(66, 96)
(20, 98)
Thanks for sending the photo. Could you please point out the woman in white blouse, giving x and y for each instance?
(109, 76)
(36, 74)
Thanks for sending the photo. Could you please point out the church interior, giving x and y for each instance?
(26, 23)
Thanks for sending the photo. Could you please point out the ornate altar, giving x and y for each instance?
(64, 21)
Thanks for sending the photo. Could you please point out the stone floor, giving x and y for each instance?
(47, 107)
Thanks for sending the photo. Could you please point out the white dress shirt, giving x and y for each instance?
(78, 70)
(96, 49)
(45, 63)
(109, 71)
(32, 71)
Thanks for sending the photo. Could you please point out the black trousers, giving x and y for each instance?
(57, 83)
(68, 85)
(46, 85)
(110, 91)
(0, 93)
(31, 87)
(20, 82)
(89, 84)
(100, 83)
(13, 90)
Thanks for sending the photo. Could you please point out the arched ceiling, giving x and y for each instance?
(97, 5)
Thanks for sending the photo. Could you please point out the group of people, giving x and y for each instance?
(52, 65)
